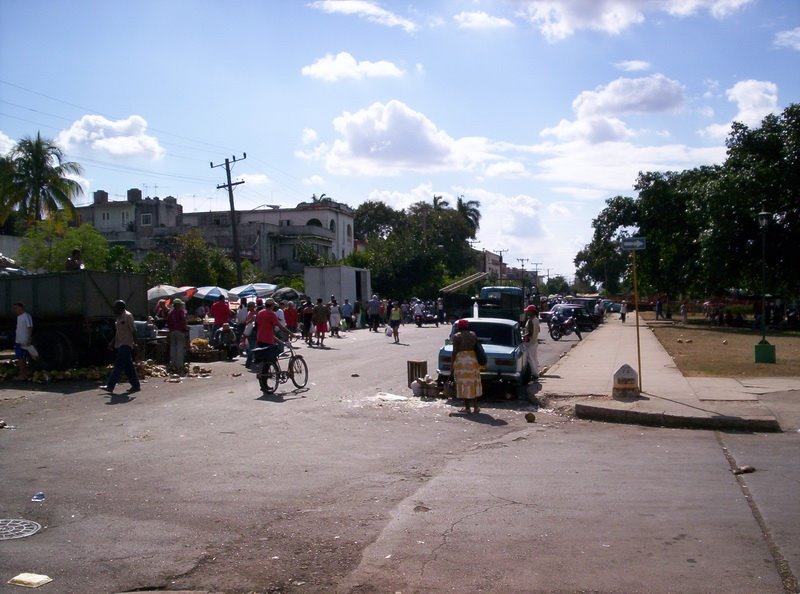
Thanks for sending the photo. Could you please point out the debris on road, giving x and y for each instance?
(744, 469)
(30, 580)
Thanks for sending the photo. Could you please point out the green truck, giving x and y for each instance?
(73, 318)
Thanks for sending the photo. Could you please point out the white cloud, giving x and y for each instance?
(366, 10)
(387, 139)
(558, 209)
(605, 167)
(509, 169)
(343, 65)
(559, 19)
(481, 20)
(6, 144)
(754, 99)
(309, 135)
(630, 95)
(632, 65)
(314, 180)
(790, 39)
(119, 138)
(255, 179)
(399, 200)
(592, 129)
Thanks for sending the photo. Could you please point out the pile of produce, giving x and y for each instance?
(198, 345)
(149, 368)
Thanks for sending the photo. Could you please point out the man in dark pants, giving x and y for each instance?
(124, 341)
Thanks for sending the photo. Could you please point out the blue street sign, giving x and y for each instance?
(633, 243)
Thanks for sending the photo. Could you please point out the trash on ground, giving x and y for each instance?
(39, 497)
(30, 580)
(744, 469)
(387, 397)
(530, 417)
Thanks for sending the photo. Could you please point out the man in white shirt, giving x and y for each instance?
(22, 339)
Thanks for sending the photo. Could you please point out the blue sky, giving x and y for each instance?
(540, 110)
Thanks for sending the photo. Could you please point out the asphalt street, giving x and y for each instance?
(352, 485)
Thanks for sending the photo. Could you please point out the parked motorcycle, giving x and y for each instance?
(559, 328)
(427, 317)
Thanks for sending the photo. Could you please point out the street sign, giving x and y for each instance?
(633, 243)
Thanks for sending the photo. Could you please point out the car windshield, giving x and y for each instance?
(499, 334)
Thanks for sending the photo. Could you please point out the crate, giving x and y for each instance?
(205, 356)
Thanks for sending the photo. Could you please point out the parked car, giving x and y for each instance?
(613, 307)
(502, 341)
(562, 311)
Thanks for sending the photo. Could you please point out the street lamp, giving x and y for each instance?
(764, 351)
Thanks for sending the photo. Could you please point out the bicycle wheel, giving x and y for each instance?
(298, 371)
(268, 377)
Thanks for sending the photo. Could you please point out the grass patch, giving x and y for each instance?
(727, 352)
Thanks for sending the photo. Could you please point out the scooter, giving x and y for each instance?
(559, 328)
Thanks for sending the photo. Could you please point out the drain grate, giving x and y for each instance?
(17, 528)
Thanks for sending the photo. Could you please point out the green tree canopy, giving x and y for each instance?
(701, 225)
(35, 180)
(48, 243)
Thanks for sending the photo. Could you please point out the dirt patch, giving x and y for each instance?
(728, 352)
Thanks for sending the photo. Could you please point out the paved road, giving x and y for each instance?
(207, 485)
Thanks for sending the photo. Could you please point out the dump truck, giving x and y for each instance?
(73, 317)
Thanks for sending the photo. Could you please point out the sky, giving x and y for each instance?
(540, 110)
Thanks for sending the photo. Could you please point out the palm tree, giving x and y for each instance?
(37, 181)
(439, 203)
(470, 210)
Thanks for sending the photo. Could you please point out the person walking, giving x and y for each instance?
(308, 317)
(124, 341)
(290, 315)
(22, 339)
(320, 319)
(659, 310)
(466, 370)
(221, 313)
(336, 317)
(347, 315)
(373, 313)
(395, 317)
(623, 310)
(530, 335)
(250, 322)
(177, 327)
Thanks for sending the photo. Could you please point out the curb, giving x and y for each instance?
(654, 419)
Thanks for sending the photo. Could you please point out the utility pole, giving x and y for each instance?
(501, 252)
(522, 263)
(536, 271)
(236, 257)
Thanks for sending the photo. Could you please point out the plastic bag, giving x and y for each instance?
(248, 329)
(389, 331)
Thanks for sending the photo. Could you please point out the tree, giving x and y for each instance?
(199, 264)
(375, 220)
(120, 259)
(156, 267)
(439, 203)
(470, 210)
(37, 182)
(48, 243)
(602, 260)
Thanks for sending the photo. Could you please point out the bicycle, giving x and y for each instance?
(270, 373)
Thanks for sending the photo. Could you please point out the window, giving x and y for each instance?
(314, 223)
(146, 219)
(285, 223)
(332, 226)
(105, 216)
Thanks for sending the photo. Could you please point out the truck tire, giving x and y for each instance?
(55, 350)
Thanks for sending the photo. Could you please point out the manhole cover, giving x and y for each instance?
(17, 529)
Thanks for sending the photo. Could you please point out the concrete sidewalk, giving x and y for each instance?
(668, 398)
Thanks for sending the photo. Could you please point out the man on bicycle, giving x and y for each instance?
(266, 322)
